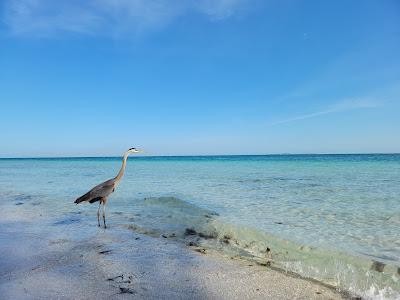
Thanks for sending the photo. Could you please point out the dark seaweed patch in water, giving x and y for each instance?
(312, 184)
(206, 236)
(22, 198)
(266, 179)
(282, 178)
(377, 266)
(190, 231)
(250, 180)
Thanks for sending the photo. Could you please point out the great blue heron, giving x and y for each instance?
(103, 190)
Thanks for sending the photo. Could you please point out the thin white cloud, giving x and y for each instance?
(345, 105)
(219, 9)
(47, 18)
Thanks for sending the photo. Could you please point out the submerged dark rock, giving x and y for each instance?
(206, 236)
(226, 239)
(377, 266)
(190, 231)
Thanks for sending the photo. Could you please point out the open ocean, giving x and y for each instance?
(333, 218)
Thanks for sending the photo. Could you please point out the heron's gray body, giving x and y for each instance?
(100, 191)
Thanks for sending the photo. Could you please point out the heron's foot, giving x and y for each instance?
(105, 226)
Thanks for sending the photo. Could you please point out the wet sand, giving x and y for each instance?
(118, 263)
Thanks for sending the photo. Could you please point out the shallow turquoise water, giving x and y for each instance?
(327, 217)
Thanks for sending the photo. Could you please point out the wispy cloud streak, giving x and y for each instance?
(345, 105)
(47, 18)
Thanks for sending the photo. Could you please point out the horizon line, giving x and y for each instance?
(204, 155)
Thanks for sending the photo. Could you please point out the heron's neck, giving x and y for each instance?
(121, 172)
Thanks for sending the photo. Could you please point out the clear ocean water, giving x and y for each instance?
(334, 218)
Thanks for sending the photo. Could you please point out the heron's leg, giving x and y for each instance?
(98, 214)
(104, 214)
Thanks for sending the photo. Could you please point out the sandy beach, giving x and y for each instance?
(66, 259)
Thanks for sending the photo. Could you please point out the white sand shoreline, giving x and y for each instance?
(118, 263)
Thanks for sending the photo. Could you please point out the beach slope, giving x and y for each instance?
(52, 262)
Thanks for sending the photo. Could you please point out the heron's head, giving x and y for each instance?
(134, 150)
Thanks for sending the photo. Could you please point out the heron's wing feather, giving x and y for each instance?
(99, 191)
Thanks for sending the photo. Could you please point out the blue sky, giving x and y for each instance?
(86, 78)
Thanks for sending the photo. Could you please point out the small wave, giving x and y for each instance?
(176, 203)
(170, 214)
